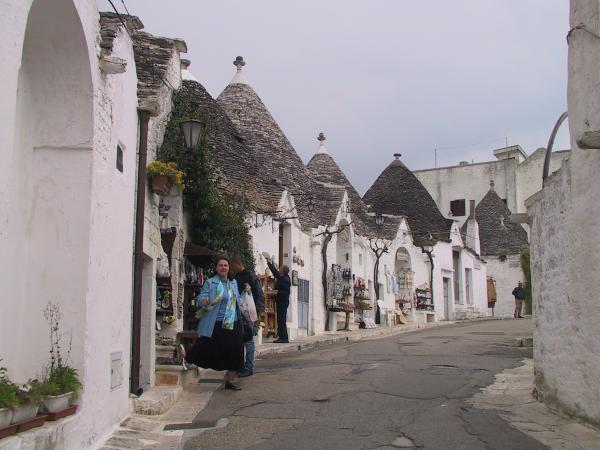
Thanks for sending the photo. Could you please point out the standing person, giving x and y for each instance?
(519, 294)
(246, 279)
(220, 346)
(282, 286)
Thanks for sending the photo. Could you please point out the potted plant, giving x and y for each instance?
(61, 382)
(163, 175)
(29, 396)
(8, 399)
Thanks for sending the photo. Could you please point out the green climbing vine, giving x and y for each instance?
(217, 217)
(526, 266)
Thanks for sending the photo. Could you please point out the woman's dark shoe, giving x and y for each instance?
(232, 387)
(281, 341)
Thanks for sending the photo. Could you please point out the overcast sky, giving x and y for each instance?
(384, 76)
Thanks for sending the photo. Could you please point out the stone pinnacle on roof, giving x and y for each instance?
(239, 77)
(397, 156)
(321, 140)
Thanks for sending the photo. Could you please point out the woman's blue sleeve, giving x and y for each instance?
(204, 294)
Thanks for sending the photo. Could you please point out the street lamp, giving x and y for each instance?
(192, 130)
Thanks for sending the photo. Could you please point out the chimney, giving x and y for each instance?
(463, 163)
(472, 238)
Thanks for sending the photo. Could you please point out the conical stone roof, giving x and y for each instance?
(497, 234)
(397, 191)
(323, 168)
(277, 160)
(228, 153)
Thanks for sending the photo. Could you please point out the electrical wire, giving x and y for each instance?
(120, 18)
(124, 6)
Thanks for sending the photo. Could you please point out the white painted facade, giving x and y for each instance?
(515, 179)
(565, 251)
(66, 212)
(507, 273)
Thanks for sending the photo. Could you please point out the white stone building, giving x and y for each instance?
(515, 174)
(501, 245)
(459, 273)
(565, 249)
(68, 142)
(76, 86)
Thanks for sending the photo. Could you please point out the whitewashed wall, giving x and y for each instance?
(529, 173)
(507, 274)
(65, 211)
(470, 182)
(565, 250)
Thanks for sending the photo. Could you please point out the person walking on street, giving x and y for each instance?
(220, 346)
(282, 286)
(519, 294)
(246, 279)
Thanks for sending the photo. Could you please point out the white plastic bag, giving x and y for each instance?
(248, 307)
(162, 265)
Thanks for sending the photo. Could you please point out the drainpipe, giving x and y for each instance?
(134, 386)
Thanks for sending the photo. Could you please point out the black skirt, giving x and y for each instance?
(223, 351)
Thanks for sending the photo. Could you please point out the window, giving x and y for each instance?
(457, 207)
(119, 158)
(360, 259)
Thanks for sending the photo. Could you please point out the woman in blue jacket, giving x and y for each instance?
(220, 346)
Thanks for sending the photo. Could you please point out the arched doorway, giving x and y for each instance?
(50, 192)
(404, 277)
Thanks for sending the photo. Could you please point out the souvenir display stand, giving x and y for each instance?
(423, 295)
(165, 308)
(269, 315)
(339, 295)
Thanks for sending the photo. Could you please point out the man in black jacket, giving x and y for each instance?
(519, 294)
(283, 285)
(245, 277)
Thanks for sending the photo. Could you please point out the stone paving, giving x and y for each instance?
(147, 431)
(512, 395)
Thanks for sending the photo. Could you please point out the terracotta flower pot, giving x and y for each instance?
(56, 403)
(25, 412)
(161, 184)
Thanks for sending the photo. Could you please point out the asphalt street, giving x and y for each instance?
(401, 391)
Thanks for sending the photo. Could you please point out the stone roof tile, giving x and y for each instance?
(397, 191)
(497, 234)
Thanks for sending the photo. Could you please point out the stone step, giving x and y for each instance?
(157, 400)
(170, 375)
(165, 351)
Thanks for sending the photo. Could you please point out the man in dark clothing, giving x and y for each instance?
(519, 294)
(282, 286)
(245, 277)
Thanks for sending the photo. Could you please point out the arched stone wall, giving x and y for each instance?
(50, 189)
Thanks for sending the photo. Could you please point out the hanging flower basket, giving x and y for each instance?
(163, 175)
(161, 184)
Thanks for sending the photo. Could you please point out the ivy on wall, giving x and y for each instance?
(526, 266)
(217, 217)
